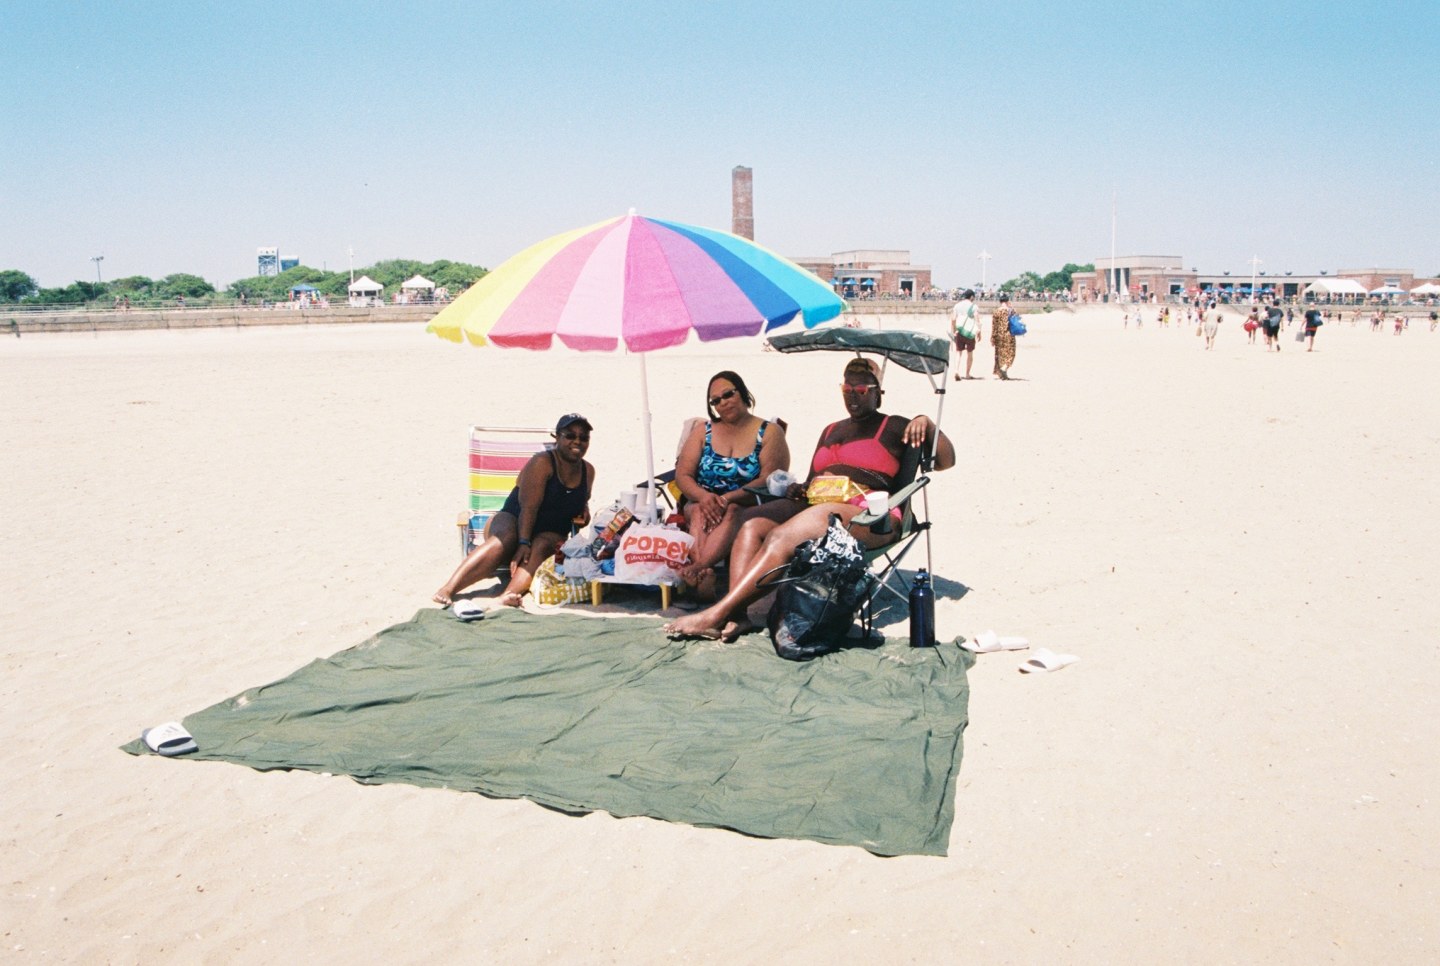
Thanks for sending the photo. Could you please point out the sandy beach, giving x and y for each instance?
(1238, 545)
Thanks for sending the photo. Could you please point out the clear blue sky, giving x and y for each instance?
(180, 136)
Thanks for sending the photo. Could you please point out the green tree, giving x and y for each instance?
(16, 285)
(133, 285)
(190, 286)
(1025, 281)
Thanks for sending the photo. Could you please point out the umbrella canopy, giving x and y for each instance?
(1429, 288)
(638, 282)
(913, 350)
(1387, 290)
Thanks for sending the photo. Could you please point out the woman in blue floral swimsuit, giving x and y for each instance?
(717, 460)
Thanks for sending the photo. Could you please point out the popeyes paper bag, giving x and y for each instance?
(652, 555)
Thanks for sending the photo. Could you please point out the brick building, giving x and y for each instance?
(1139, 277)
(870, 272)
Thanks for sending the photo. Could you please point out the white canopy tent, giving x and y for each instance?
(1429, 288)
(365, 291)
(1336, 286)
(1387, 290)
(418, 282)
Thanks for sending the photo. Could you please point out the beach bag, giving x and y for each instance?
(1016, 326)
(1251, 326)
(818, 593)
(966, 326)
(548, 587)
(652, 555)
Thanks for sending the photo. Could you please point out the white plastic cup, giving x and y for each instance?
(629, 499)
(778, 482)
(877, 502)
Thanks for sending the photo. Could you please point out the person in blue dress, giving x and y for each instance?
(718, 458)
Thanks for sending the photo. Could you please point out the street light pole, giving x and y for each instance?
(97, 259)
(1255, 263)
(984, 264)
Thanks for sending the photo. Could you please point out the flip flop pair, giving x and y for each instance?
(988, 642)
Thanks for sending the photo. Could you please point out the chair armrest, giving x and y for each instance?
(897, 499)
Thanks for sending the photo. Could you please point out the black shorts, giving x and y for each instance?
(965, 343)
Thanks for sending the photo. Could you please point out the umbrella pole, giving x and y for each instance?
(650, 501)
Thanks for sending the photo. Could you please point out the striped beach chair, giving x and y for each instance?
(497, 455)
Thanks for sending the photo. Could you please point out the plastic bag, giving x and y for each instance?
(549, 587)
(652, 555)
(828, 488)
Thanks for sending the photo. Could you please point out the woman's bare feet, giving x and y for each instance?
(694, 625)
(442, 597)
(509, 600)
(693, 575)
(734, 630)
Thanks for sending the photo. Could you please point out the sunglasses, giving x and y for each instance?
(727, 394)
(576, 437)
(858, 389)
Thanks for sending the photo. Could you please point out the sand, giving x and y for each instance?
(1240, 546)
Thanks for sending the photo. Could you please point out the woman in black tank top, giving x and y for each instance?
(552, 492)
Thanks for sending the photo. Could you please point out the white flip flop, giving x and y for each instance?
(1045, 659)
(987, 642)
(468, 610)
(169, 739)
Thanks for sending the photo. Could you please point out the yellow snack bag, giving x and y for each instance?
(832, 489)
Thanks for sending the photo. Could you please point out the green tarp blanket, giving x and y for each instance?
(860, 747)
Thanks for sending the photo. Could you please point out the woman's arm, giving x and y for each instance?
(532, 490)
(917, 433)
(687, 464)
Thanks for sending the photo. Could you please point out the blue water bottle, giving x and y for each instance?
(922, 612)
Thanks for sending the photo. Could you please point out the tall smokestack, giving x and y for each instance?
(742, 203)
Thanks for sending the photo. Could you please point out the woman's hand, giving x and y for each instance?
(795, 491)
(712, 510)
(521, 558)
(917, 430)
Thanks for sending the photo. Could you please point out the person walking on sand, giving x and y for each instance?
(1313, 321)
(965, 330)
(1210, 327)
(1274, 318)
(1001, 338)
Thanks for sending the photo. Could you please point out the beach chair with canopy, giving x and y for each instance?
(916, 352)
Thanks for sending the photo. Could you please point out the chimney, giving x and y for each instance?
(742, 203)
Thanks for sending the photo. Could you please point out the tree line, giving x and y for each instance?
(1050, 282)
(18, 287)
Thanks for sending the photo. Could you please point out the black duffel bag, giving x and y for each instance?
(818, 593)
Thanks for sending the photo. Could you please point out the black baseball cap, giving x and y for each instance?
(570, 419)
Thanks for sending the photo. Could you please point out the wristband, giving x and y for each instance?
(523, 542)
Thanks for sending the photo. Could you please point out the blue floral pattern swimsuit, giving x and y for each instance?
(721, 474)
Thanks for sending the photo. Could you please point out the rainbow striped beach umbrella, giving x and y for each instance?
(640, 283)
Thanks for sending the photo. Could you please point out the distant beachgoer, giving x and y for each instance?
(1399, 324)
(965, 330)
(1001, 338)
(1313, 321)
(1433, 319)
(1252, 324)
(1273, 319)
(1210, 327)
